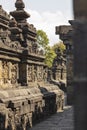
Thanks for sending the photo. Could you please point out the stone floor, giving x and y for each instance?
(60, 121)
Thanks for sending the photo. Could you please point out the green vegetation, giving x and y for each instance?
(50, 52)
(49, 56)
(42, 39)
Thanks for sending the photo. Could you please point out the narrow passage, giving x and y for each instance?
(60, 121)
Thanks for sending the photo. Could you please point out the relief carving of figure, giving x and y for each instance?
(30, 73)
(40, 73)
(5, 72)
(14, 74)
(34, 73)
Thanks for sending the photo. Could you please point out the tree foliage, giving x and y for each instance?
(49, 56)
(50, 52)
(42, 39)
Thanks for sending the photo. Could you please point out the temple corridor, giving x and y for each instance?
(60, 121)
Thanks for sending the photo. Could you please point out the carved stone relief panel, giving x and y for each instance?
(45, 75)
(5, 71)
(34, 73)
(14, 73)
(30, 73)
(40, 73)
(9, 72)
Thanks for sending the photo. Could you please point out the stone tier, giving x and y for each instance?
(28, 27)
(3, 26)
(29, 37)
(4, 18)
(3, 21)
(4, 14)
(15, 30)
(20, 14)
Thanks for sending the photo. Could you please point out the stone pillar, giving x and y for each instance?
(69, 60)
(80, 63)
(65, 33)
(23, 70)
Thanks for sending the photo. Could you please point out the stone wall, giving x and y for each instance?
(65, 33)
(26, 96)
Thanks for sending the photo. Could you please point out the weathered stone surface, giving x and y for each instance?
(25, 92)
(57, 74)
(80, 10)
(80, 63)
(80, 71)
(59, 67)
(65, 33)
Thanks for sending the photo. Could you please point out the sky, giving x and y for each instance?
(45, 14)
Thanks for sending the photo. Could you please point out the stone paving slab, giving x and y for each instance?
(60, 121)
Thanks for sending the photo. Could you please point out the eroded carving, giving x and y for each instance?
(14, 72)
(25, 92)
